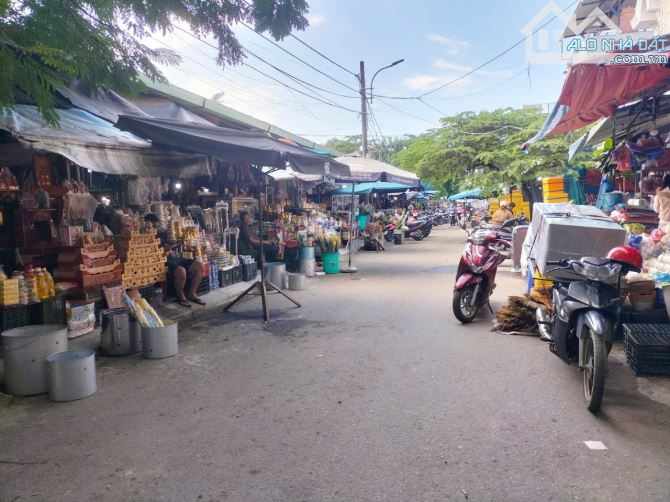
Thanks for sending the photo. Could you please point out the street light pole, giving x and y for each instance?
(364, 100)
(364, 109)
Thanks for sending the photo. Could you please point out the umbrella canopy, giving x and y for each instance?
(363, 188)
(252, 147)
(93, 143)
(468, 194)
(365, 169)
(593, 91)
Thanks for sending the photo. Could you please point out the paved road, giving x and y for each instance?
(371, 391)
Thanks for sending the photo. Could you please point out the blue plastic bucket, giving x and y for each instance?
(331, 263)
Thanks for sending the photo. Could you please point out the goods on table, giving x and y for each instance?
(9, 292)
(569, 231)
(91, 266)
(143, 258)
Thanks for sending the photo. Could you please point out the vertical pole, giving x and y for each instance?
(351, 228)
(261, 209)
(364, 109)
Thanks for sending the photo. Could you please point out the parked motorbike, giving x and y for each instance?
(475, 277)
(586, 307)
(418, 229)
(453, 218)
(389, 230)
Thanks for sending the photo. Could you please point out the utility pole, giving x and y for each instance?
(364, 109)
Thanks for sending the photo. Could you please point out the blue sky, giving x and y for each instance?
(439, 40)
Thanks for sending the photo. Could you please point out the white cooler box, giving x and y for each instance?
(567, 231)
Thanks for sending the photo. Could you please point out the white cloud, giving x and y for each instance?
(316, 20)
(446, 73)
(453, 46)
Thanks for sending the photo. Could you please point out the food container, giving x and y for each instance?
(159, 343)
(71, 375)
(308, 267)
(296, 282)
(274, 272)
(642, 302)
(115, 336)
(569, 231)
(25, 351)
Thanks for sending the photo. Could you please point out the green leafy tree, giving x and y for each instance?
(483, 149)
(382, 150)
(44, 44)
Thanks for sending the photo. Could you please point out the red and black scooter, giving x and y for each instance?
(475, 278)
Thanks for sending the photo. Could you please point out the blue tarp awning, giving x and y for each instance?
(363, 188)
(468, 194)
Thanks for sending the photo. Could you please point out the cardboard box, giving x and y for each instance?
(569, 231)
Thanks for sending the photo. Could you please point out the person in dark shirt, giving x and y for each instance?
(250, 242)
(180, 269)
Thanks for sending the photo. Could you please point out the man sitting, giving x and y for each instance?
(180, 269)
(503, 214)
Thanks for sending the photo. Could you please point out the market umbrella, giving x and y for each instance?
(467, 194)
(366, 188)
(366, 170)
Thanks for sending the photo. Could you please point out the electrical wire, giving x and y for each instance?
(329, 103)
(298, 58)
(486, 63)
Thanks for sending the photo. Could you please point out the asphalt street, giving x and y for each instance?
(370, 391)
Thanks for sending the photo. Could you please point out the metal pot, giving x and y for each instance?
(25, 351)
(115, 334)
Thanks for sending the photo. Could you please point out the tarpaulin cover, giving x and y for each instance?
(251, 147)
(593, 91)
(474, 193)
(93, 143)
(365, 169)
(103, 102)
(290, 174)
(363, 188)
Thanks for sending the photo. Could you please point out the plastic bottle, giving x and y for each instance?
(50, 283)
(42, 286)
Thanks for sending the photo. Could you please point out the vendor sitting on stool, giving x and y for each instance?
(249, 242)
(180, 269)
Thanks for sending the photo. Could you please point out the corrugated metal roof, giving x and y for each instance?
(208, 108)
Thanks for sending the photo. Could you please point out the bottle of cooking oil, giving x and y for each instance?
(50, 283)
(42, 286)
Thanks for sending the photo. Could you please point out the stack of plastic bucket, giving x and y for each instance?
(307, 261)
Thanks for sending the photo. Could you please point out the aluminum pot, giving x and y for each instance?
(308, 267)
(296, 282)
(71, 375)
(24, 353)
(115, 334)
(274, 272)
(159, 343)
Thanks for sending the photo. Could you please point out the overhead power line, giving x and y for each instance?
(324, 101)
(486, 63)
(299, 58)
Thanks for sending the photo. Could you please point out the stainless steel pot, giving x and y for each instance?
(115, 336)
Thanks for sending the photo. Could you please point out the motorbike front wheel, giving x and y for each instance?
(465, 309)
(388, 235)
(418, 235)
(594, 372)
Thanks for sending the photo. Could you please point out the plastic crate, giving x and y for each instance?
(14, 316)
(647, 348)
(249, 271)
(237, 274)
(49, 311)
(203, 287)
(225, 278)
